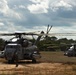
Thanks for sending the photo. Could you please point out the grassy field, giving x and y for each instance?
(51, 63)
(56, 57)
(53, 57)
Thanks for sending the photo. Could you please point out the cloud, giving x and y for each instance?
(19, 7)
(36, 1)
(40, 6)
(22, 6)
(43, 6)
(1, 24)
(3, 6)
(61, 4)
(26, 15)
(6, 11)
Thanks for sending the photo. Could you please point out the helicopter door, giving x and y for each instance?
(19, 50)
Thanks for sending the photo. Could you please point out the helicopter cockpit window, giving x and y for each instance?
(71, 48)
(10, 47)
(14, 40)
(13, 47)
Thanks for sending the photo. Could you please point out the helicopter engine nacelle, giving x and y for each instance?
(33, 52)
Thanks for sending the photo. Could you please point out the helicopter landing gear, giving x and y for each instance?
(10, 61)
(16, 59)
(33, 60)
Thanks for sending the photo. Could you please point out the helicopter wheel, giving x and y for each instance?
(10, 61)
(33, 60)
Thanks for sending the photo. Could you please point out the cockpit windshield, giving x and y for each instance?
(14, 39)
(13, 46)
(71, 48)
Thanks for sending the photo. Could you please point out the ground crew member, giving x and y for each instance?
(16, 59)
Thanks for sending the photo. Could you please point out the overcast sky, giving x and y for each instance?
(35, 15)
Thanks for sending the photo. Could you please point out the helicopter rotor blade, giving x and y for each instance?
(12, 34)
(61, 34)
(7, 34)
(50, 34)
(49, 28)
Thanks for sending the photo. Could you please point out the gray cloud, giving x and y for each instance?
(33, 14)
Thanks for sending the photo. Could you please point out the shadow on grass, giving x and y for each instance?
(21, 62)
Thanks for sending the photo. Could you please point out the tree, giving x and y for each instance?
(53, 38)
(2, 43)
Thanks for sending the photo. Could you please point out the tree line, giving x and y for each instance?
(48, 44)
(55, 44)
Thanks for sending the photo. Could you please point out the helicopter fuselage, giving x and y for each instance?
(19, 48)
(71, 51)
(12, 50)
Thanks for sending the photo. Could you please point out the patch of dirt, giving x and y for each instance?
(35, 69)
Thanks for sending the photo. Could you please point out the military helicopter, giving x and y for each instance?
(71, 50)
(19, 48)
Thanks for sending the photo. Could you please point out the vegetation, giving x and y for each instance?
(2, 43)
(54, 44)
(48, 44)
